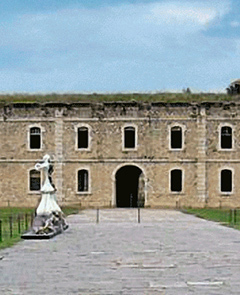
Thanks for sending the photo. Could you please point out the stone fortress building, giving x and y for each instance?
(122, 153)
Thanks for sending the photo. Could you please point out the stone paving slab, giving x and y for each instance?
(167, 253)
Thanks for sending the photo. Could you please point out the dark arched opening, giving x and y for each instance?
(130, 187)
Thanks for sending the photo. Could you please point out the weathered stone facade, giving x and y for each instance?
(199, 157)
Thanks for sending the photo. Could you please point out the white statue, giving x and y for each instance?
(48, 202)
(49, 220)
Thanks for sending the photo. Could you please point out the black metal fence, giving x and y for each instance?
(13, 225)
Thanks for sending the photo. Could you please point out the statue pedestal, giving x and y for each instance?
(45, 227)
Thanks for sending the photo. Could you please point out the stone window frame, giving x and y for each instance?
(183, 181)
(89, 181)
(28, 183)
(233, 184)
(220, 136)
(123, 137)
(183, 127)
(42, 129)
(83, 125)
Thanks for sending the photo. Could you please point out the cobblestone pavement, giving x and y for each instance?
(167, 253)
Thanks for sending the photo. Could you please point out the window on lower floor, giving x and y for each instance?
(176, 180)
(35, 180)
(176, 137)
(83, 181)
(226, 181)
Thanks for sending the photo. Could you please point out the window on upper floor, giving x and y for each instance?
(129, 137)
(35, 138)
(226, 137)
(176, 137)
(176, 180)
(83, 180)
(34, 180)
(226, 181)
(83, 138)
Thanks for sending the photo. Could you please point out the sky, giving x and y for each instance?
(111, 46)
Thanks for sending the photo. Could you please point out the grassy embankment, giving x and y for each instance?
(17, 220)
(228, 217)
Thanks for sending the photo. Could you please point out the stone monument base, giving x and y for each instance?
(46, 226)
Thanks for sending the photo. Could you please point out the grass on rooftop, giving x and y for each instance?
(120, 97)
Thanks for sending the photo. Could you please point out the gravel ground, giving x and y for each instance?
(167, 253)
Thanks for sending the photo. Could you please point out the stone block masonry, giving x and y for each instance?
(167, 154)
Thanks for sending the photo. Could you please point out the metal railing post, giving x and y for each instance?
(32, 218)
(235, 216)
(0, 230)
(26, 221)
(230, 216)
(10, 226)
(97, 221)
(19, 224)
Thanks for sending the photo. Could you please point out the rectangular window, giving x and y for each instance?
(82, 180)
(129, 137)
(176, 180)
(176, 137)
(226, 137)
(226, 181)
(83, 138)
(35, 180)
(35, 138)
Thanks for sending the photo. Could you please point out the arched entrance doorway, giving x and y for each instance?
(130, 187)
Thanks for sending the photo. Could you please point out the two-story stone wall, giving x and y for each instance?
(122, 153)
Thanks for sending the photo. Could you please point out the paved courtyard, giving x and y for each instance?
(167, 253)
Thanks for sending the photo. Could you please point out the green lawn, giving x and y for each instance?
(225, 216)
(14, 221)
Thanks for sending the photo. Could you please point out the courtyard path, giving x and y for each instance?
(167, 253)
